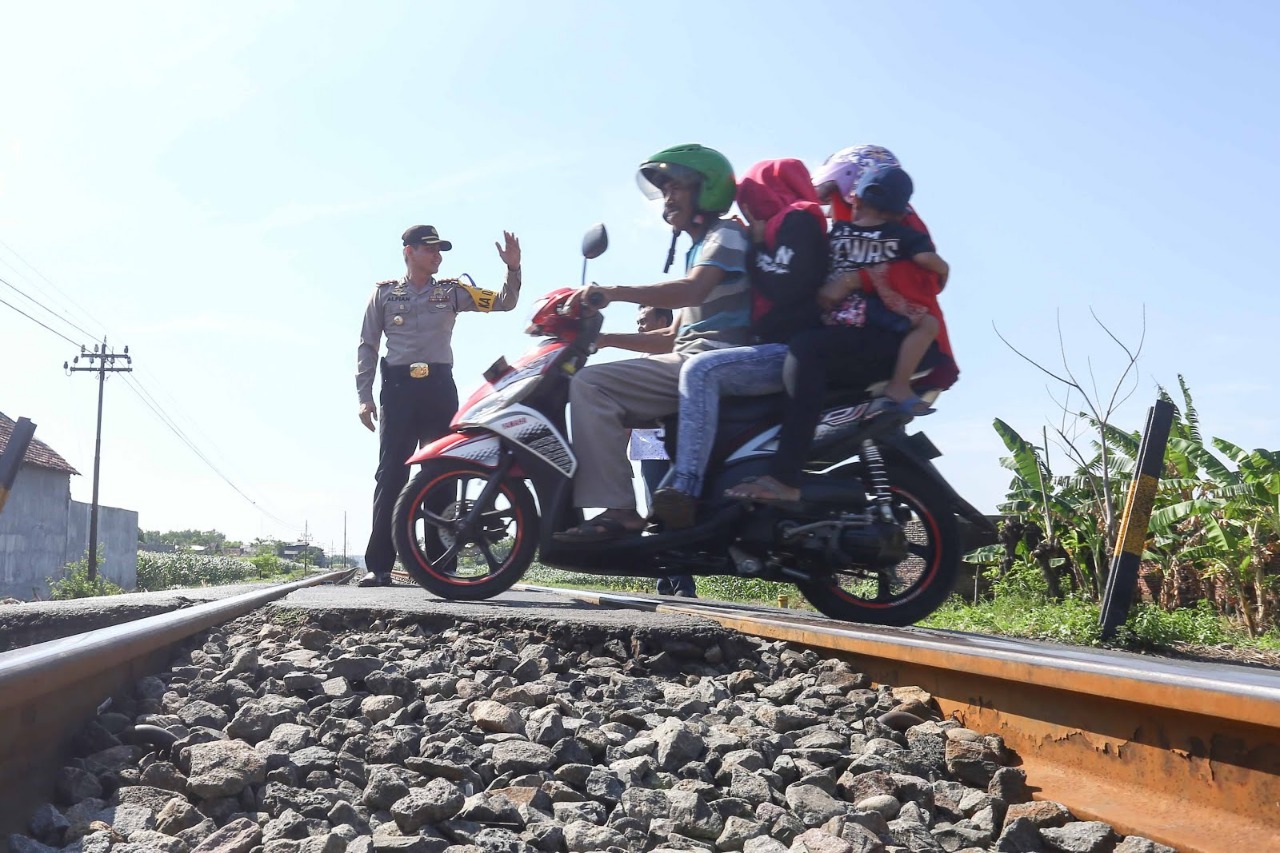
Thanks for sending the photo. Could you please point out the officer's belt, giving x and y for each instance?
(417, 370)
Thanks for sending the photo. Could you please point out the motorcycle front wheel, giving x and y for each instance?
(455, 559)
(905, 593)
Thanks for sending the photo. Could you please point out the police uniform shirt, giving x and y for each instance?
(418, 324)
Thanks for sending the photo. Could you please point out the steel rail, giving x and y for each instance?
(1185, 753)
(49, 690)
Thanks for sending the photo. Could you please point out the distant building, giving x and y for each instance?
(296, 551)
(42, 529)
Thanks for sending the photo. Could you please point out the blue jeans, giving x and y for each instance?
(705, 378)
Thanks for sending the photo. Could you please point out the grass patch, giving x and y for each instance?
(1075, 621)
(1020, 609)
(720, 588)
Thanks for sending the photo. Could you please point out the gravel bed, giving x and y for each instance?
(355, 733)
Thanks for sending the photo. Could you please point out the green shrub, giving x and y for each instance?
(75, 582)
(267, 565)
(1149, 625)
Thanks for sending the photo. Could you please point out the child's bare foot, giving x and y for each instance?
(898, 392)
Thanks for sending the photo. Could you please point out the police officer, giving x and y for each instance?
(416, 313)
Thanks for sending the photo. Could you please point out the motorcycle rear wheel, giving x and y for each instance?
(486, 561)
(908, 592)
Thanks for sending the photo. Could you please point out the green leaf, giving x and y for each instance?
(1165, 518)
(1189, 411)
(1221, 538)
(986, 555)
(1200, 455)
(1026, 460)
(1234, 453)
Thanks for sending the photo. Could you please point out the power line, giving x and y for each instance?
(55, 287)
(38, 323)
(133, 382)
(182, 436)
(46, 308)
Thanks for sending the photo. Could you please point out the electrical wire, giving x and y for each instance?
(55, 287)
(38, 323)
(134, 384)
(46, 308)
(155, 407)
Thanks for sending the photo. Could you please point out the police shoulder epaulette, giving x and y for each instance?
(388, 281)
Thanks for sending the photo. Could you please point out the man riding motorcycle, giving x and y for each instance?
(607, 400)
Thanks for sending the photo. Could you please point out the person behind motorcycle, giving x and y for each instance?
(787, 265)
(607, 400)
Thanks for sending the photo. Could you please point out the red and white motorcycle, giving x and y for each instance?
(874, 538)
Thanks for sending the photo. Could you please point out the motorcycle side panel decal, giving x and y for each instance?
(833, 422)
(476, 448)
(483, 449)
(761, 445)
(529, 429)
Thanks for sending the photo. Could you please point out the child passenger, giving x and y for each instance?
(865, 255)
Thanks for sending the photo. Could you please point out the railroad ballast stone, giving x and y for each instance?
(363, 736)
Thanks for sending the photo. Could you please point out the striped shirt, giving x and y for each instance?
(724, 317)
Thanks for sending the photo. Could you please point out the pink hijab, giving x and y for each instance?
(773, 188)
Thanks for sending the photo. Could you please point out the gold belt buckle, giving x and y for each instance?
(419, 370)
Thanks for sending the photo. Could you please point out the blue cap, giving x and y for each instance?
(887, 188)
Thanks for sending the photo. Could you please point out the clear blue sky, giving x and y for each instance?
(219, 185)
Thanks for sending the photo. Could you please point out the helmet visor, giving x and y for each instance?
(825, 190)
(653, 177)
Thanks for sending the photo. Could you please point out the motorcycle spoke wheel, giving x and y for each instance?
(450, 557)
(904, 593)
(885, 585)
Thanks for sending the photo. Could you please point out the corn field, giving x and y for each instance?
(171, 571)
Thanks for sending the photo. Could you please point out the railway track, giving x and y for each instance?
(1185, 754)
(47, 691)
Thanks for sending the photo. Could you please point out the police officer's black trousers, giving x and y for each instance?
(653, 470)
(412, 412)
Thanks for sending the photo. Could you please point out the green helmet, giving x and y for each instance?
(705, 168)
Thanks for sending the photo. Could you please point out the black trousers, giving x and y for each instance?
(653, 470)
(836, 356)
(412, 412)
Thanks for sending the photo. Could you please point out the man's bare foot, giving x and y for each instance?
(610, 524)
(765, 490)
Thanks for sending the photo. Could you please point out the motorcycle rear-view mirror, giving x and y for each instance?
(595, 241)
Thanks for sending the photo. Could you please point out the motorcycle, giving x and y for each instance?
(874, 537)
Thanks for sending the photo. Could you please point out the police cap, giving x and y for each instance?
(426, 235)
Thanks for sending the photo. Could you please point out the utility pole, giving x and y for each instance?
(101, 362)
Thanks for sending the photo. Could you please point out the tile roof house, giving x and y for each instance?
(38, 453)
(42, 529)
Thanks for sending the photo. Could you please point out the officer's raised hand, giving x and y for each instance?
(510, 253)
(368, 414)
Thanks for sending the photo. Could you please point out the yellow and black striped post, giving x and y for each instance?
(1123, 579)
(11, 459)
